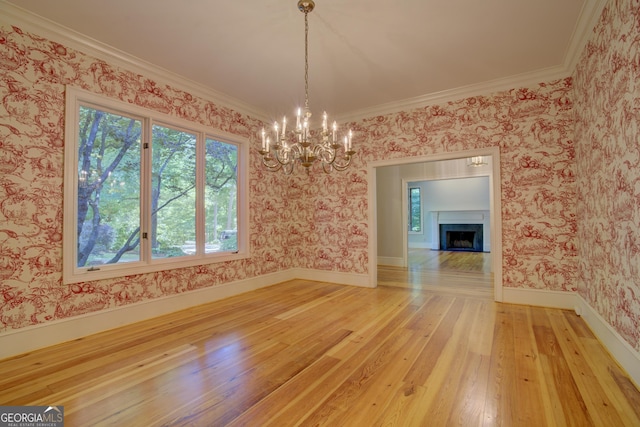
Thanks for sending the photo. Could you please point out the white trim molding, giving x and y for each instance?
(539, 297)
(621, 350)
(391, 261)
(350, 279)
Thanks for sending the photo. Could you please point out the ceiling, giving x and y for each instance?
(365, 56)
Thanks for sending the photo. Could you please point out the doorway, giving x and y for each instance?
(387, 174)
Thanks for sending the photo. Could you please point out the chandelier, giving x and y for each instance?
(282, 150)
(477, 161)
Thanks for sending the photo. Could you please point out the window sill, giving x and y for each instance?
(112, 271)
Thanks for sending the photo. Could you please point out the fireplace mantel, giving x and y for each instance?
(461, 217)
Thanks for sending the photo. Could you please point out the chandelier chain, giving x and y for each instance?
(306, 61)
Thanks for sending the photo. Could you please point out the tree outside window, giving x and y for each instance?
(145, 192)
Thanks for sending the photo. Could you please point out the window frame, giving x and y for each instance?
(410, 216)
(147, 264)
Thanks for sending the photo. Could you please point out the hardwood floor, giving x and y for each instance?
(465, 273)
(408, 353)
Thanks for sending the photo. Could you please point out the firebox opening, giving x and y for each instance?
(461, 237)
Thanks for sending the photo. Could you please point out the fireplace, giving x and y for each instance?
(461, 237)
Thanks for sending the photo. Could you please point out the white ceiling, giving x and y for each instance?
(364, 55)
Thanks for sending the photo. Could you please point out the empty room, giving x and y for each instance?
(298, 212)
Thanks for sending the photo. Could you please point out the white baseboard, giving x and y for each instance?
(622, 352)
(31, 338)
(351, 279)
(420, 245)
(392, 261)
(539, 297)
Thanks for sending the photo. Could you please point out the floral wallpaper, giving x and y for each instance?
(607, 93)
(311, 221)
(34, 72)
(533, 128)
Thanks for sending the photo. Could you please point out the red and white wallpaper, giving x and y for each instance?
(607, 96)
(34, 72)
(311, 221)
(534, 129)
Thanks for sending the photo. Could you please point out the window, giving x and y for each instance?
(145, 192)
(415, 210)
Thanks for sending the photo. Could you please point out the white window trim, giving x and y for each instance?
(70, 272)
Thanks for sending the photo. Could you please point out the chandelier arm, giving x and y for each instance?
(282, 157)
(342, 166)
(274, 167)
(288, 168)
(326, 154)
(289, 155)
(296, 151)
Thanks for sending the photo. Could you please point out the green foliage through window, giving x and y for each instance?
(415, 210)
(140, 197)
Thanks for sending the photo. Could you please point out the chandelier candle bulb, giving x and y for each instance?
(335, 129)
(284, 127)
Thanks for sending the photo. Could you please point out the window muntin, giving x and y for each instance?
(415, 210)
(141, 188)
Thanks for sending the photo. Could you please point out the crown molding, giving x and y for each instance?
(11, 14)
(583, 30)
(484, 88)
(589, 16)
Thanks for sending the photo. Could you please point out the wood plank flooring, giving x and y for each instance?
(308, 353)
(464, 273)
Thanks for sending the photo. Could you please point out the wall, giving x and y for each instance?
(607, 140)
(313, 221)
(33, 75)
(389, 214)
(457, 194)
(533, 127)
